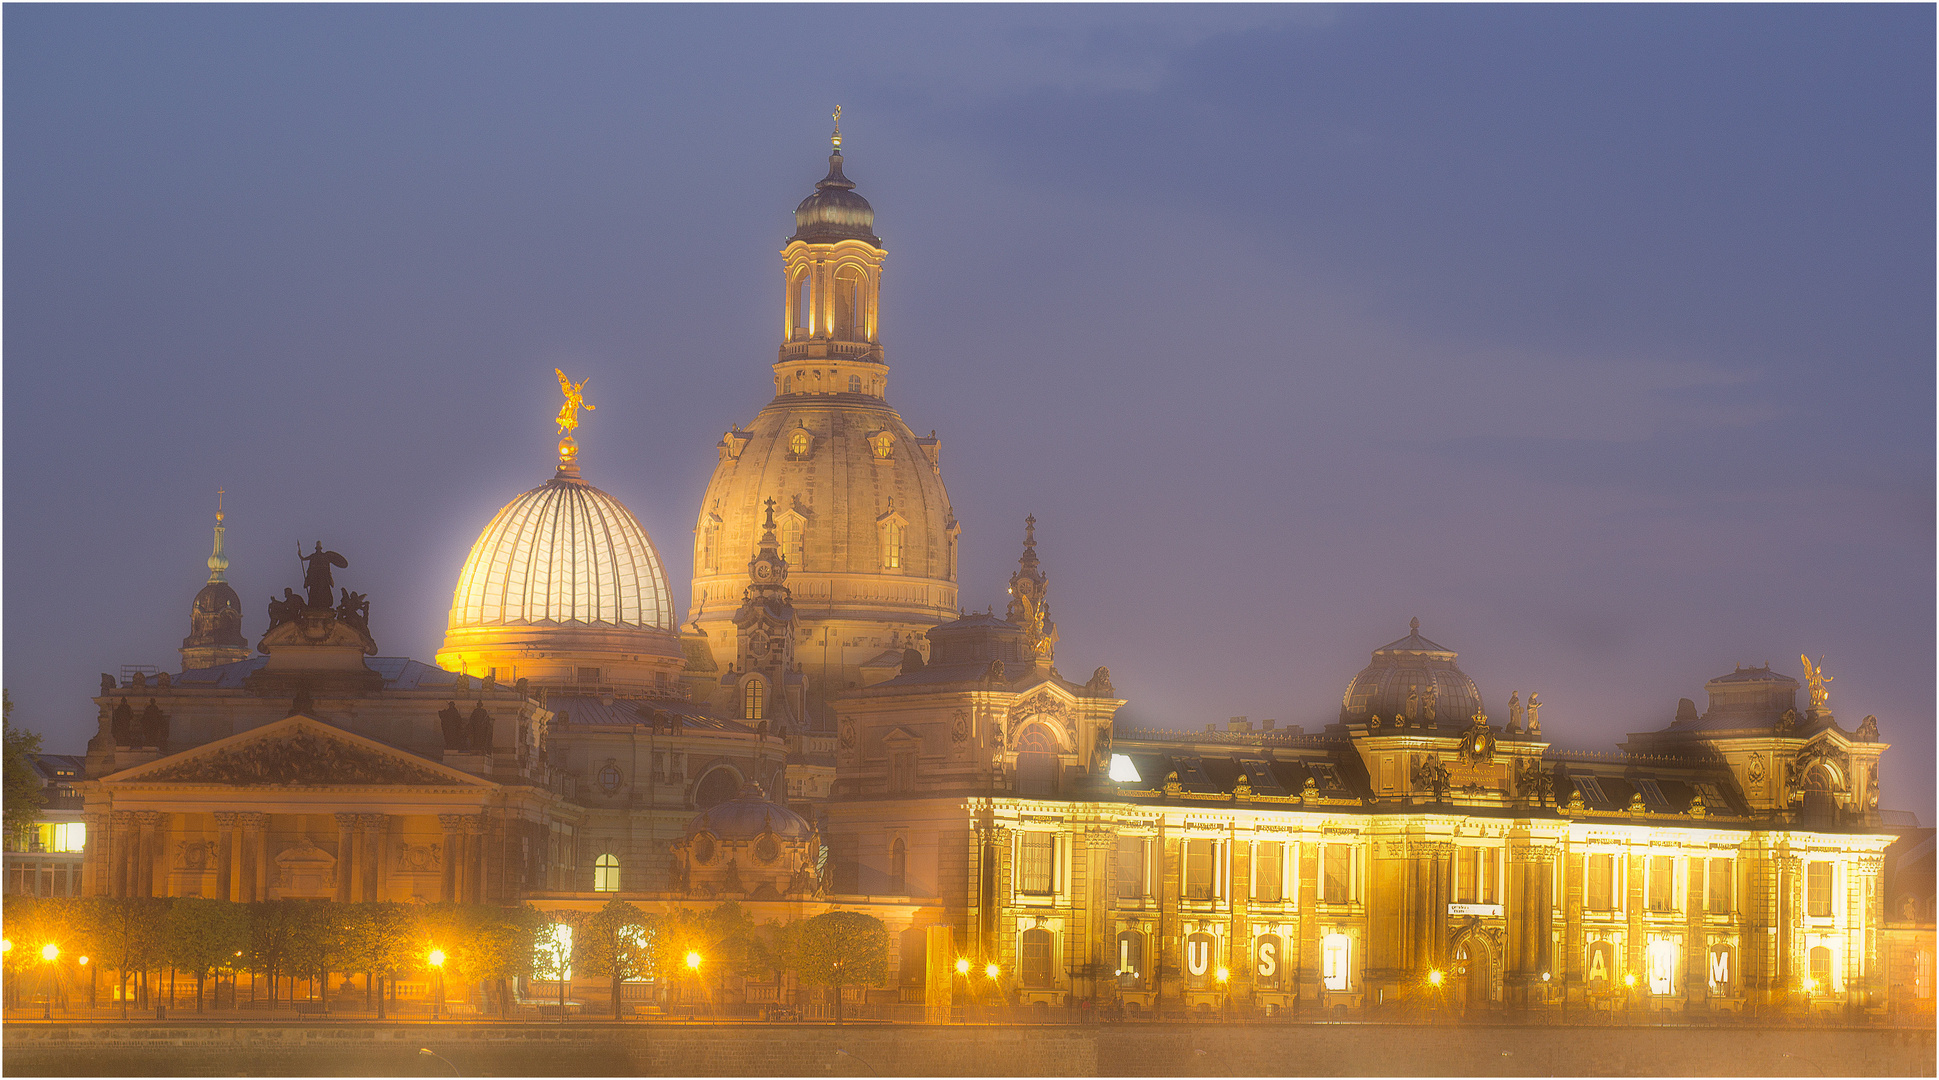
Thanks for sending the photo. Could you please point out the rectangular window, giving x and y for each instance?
(1599, 893)
(1267, 872)
(1036, 853)
(848, 870)
(1922, 975)
(660, 766)
(1818, 890)
(1662, 883)
(63, 836)
(1131, 868)
(1336, 873)
(1198, 869)
(1718, 890)
(588, 674)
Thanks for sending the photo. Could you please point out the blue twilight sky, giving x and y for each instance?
(1600, 338)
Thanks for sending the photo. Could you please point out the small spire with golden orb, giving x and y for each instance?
(837, 137)
(568, 421)
(218, 562)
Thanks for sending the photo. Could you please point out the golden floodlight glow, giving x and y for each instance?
(962, 965)
(991, 971)
(1434, 977)
(437, 958)
(1629, 980)
(693, 961)
(83, 961)
(6, 945)
(1223, 975)
(50, 952)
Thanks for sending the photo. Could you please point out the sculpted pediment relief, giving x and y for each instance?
(294, 752)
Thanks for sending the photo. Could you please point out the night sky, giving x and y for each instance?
(1599, 338)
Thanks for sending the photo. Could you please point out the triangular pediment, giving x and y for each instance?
(901, 735)
(297, 751)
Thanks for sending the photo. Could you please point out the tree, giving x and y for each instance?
(617, 943)
(838, 949)
(134, 932)
(203, 935)
(378, 938)
(497, 945)
(23, 793)
(272, 935)
(552, 949)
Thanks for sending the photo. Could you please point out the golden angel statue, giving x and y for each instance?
(575, 393)
(1815, 678)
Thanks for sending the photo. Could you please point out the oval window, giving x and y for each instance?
(703, 849)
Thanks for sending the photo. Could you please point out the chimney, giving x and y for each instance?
(1238, 723)
(1267, 725)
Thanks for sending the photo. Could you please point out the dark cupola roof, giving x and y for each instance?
(1410, 677)
(835, 212)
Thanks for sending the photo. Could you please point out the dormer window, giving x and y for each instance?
(754, 700)
(882, 445)
(799, 443)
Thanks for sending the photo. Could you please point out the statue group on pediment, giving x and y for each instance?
(149, 730)
(349, 608)
(302, 758)
(462, 734)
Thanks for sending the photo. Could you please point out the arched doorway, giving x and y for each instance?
(1474, 970)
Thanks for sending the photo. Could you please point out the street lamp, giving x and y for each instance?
(991, 971)
(962, 965)
(49, 953)
(437, 961)
(1222, 976)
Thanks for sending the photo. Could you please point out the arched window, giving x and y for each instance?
(899, 867)
(849, 317)
(1033, 958)
(1336, 952)
(1820, 971)
(798, 442)
(1131, 959)
(1200, 960)
(803, 321)
(709, 533)
(787, 384)
(716, 787)
(794, 542)
(892, 545)
(605, 874)
(1037, 766)
(1268, 961)
(754, 700)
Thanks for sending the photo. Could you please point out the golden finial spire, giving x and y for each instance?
(218, 562)
(838, 129)
(568, 419)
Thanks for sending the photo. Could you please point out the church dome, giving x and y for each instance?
(563, 552)
(564, 587)
(1400, 674)
(749, 815)
(835, 212)
(215, 619)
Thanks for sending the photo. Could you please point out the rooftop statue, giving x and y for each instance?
(1816, 679)
(575, 398)
(316, 575)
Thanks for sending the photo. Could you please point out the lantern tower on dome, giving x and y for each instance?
(864, 523)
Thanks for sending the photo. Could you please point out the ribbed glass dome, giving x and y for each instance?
(564, 552)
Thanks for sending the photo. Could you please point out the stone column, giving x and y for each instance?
(225, 851)
(474, 865)
(449, 856)
(346, 856)
(150, 824)
(121, 824)
(94, 858)
(255, 832)
(370, 858)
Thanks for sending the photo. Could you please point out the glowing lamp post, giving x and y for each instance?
(1223, 977)
(437, 961)
(48, 954)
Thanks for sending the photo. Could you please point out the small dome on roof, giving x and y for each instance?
(835, 212)
(749, 815)
(1406, 669)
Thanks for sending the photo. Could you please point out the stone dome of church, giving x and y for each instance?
(1398, 680)
(215, 619)
(749, 815)
(835, 212)
(564, 587)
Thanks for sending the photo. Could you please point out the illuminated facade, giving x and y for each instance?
(861, 515)
(1411, 852)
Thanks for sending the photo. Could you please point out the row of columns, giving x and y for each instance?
(127, 856)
